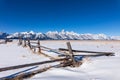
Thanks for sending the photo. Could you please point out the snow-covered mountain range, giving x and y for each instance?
(63, 35)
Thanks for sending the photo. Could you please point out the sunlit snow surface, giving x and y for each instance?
(93, 68)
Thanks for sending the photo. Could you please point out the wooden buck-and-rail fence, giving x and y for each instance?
(66, 58)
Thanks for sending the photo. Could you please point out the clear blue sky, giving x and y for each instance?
(81, 16)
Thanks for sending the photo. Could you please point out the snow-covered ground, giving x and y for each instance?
(93, 68)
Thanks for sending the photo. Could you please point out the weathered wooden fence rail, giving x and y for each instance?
(32, 73)
(30, 64)
(96, 53)
(4, 41)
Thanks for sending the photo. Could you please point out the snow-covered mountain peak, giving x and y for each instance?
(32, 32)
(62, 32)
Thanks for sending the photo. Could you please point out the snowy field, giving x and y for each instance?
(93, 68)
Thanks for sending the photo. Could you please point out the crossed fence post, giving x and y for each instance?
(29, 43)
(39, 48)
(20, 40)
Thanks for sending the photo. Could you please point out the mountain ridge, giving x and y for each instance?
(55, 35)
